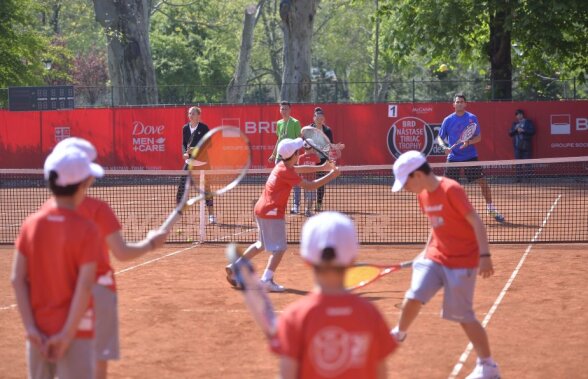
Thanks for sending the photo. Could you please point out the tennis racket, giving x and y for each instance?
(466, 135)
(363, 274)
(218, 163)
(254, 295)
(317, 140)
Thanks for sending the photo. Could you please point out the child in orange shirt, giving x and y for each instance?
(54, 269)
(457, 249)
(331, 333)
(104, 291)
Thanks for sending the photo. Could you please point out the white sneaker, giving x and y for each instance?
(271, 286)
(294, 210)
(398, 335)
(485, 371)
(212, 219)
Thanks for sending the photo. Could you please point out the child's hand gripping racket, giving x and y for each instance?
(466, 135)
(218, 163)
(363, 274)
(254, 294)
(320, 143)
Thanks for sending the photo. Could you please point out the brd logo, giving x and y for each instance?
(410, 133)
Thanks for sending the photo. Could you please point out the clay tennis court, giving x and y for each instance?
(180, 319)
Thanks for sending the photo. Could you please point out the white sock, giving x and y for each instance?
(400, 335)
(267, 275)
(490, 206)
(487, 360)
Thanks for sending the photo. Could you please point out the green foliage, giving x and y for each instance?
(196, 46)
(21, 45)
(548, 37)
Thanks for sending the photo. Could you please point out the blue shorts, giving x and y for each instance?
(458, 284)
(272, 234)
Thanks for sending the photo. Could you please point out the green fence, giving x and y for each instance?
(337, 92)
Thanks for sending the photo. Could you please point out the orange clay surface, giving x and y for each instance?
(180, 319)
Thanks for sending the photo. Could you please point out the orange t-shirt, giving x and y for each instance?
(274, 199)
(333, 336)
(453, 242)
(100, 213)
(56, 243)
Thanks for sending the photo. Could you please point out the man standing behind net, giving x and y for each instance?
(192, 133)
(521, 132)
(450, 132)
(288, 127)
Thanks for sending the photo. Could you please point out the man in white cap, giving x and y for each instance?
(270, 209)
(331, 333)
(54, 269)
(107, 343)
(457, 247)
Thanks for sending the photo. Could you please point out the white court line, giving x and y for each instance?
(11, 306)
(464, 356)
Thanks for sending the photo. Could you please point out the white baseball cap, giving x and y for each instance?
(78, 143)
(329, 230)
(406, 164)
(82, 144)
(72, 166)
(287, 147)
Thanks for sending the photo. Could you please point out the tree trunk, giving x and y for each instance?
(499, 50)
(297, 25)
(126, 23)
(273, 46)
(237, 86)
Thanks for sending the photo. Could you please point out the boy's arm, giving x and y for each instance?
(288, 368)
(312, 185)
(486, 268)
(21, 291)
(57, 344)
(307, 169)
(125, 251)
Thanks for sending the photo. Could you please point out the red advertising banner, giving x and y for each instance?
(373, 134)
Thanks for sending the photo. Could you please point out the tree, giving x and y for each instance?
(297, 26)
(237, 86)
(474, 33)
(126, 24)
(22, 46)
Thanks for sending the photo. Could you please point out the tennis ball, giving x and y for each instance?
(180, 231)
(443, 68)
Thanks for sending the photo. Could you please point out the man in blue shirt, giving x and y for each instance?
(451, 129)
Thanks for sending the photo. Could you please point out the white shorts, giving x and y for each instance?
(458, 283)
(106, 331)
(78, 361)
(272, 234)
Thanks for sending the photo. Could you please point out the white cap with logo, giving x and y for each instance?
(329, 230)
(75, 142)
(406, 164)
(82, 144)
(72, 166)
(287, 147)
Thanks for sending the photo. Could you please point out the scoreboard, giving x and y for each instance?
(40, 98)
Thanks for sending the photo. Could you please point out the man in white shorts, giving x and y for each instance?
(456, 250)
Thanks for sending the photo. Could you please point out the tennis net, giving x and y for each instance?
(542, 200)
